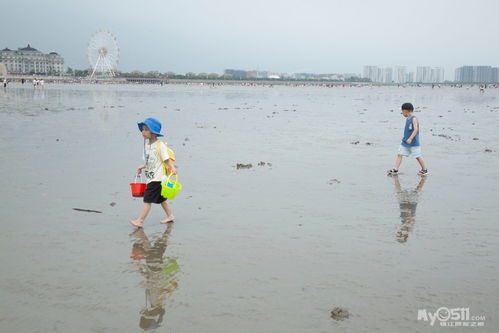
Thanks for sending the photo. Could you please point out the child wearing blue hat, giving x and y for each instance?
(156, 156)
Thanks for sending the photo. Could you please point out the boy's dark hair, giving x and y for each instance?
(407, 106)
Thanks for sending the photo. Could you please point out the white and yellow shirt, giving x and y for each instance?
(154, 170)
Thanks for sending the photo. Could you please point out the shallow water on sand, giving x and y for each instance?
(273, 248)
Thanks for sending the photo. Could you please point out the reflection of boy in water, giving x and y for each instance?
(408, 201)
(159, 284)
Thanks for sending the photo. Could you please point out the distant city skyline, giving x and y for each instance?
(395, 74)
(319, 36)
(30, 60)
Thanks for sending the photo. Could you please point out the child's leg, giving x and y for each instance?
(143, 214)
(421, 162)
(168, 211)
(398, 161)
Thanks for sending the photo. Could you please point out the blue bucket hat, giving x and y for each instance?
(153, 124)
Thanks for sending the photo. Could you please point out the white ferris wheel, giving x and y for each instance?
(103, 53)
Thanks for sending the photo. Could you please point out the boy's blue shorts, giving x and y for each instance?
(414, 151)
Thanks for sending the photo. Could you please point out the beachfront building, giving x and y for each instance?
(477, 74)
(3, 71)
(28, 60)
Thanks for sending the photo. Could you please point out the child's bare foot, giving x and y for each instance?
(137, 223)
(168, 219)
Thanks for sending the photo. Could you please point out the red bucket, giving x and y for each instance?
(138, 189)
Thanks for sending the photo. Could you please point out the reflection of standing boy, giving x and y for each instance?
(160, 277)
(408, 202)
(156, 155)
(410, 145)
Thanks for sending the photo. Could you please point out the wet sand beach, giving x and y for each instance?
(313, 224)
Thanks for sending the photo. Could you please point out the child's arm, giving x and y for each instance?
(415, 127)
(169, 161)
(139, 169)
(171, 165)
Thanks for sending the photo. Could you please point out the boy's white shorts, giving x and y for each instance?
(414, 151)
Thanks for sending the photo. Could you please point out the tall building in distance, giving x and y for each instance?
(423, 74)
(477, 74)
(387, 75)
(28, 60)
(399, 74)
(426, 74)
(464, 74)
(436, 75)
(409, 77)
(371, 73)
(378, 74)
(495, 74)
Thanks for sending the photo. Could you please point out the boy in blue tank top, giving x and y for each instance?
(410, 145)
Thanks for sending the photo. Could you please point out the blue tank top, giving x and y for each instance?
(407, 133)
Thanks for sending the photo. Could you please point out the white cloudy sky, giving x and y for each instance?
(321, 36)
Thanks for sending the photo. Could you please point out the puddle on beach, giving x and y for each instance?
(319, 229)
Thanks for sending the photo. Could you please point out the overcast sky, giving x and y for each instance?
(321, 36)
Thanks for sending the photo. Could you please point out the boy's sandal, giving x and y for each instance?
(393, 171)
(423, 172)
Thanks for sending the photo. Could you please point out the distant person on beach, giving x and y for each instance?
(156, 156)
(5, 83)
(410, 145)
